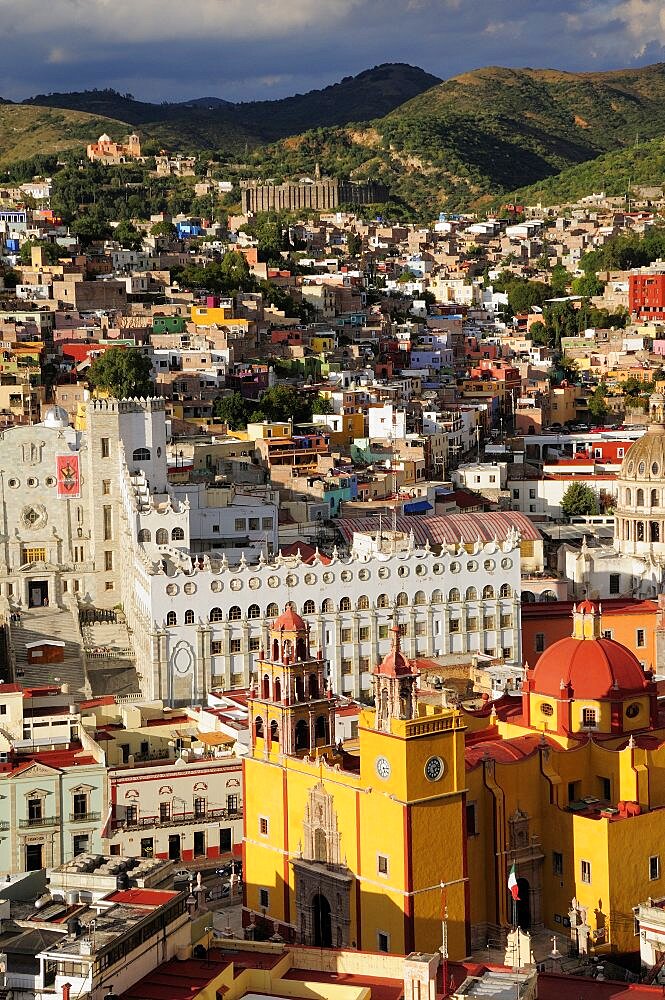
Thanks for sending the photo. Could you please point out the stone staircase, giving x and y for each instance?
(110, 659)
(49, 623)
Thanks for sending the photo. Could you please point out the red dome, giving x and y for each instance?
(594, 668)
(587, 608)
(395, 663)
(290, 622)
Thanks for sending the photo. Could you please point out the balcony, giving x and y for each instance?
(175, 819)
(38, 821)
(84, 817)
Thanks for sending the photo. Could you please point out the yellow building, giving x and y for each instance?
(349, 846)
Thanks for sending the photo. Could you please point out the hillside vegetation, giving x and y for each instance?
(28, 131)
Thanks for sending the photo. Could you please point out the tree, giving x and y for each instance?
(354, 244)
(122, 372)
(587, 285)
(164, 229)
(232, 410)
(89, 227)
(559, 280)
(524, 295)
(579, 499)
(539, 334)
(321, 405)
(52, 252)
(283, 403)
(128, 236)
(598, 408)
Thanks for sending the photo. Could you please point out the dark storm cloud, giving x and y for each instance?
(258, 49)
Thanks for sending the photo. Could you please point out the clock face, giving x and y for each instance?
(434, 768)
(382, 767)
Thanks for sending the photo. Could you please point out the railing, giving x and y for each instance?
(4, 824)
(84, 817)
(121, 653)
(175, 819)
(38, 821)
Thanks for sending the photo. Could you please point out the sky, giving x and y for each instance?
(264, 49)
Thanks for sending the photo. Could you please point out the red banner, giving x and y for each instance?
(68, 476)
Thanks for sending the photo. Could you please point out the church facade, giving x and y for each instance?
(363, 845)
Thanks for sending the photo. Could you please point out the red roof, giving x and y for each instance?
(395, 663)
(594, 668)
(290, 621)
(142, 897)
(307, 553)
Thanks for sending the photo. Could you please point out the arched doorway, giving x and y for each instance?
(524, 904)
(322, 921)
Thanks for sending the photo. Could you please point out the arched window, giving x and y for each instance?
(454, 596)
(528, 597)
(420, 597)
(272, 611)
(345, 604)
(506, 590)
(277, 690)
(141, 455)
(639, 499)
(382, 601)
(171, 618)
(258, 727)
(302, 735)
(189, 617)
(313, 686)
(437, 597)
(629, 497)
(309, 608)
(216, 615)
(274, 732)
(402, 600)
(547, 596)
(235, 614)
(177, 535)
(320, 727)
(253, 611)
(655, 498)
(488, 593)
(654, 531)
(363, 603)
(471, 594)
(144, 535)
(640, 531)
(162, 536)
(265, 687)
(327, 606)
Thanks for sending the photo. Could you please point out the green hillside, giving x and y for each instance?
(28, 131)
(215, 124)
(485, 132)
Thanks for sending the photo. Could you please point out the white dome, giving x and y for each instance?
(56, 416)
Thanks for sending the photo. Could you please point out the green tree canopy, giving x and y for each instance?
(164, 228)
(524, 295)
(128, 236)
(123, 372)
(598, 408)
(559, 280)
(90, 226)
(579, 499)
(233, 410)
(52, 252)
(587, 285)
(354, 244)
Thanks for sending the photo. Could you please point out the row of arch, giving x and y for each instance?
(301, 731)
(161, 535)
(638, 531)
(640, 494)
(302, 686)
(329, 606)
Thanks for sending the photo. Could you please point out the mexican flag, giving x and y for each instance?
(512, 883)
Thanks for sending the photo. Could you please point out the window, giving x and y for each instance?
(532, 494)
(235, 645)
(640, 638)
(240, 524)
(454, 625)
(253, 524)
(605, 789)
(147, 847)
(177, 535)
(382, 601)
(80, 843)
(141, 455)
(346, 665)
(171, 618)
(162, 536)
(189, 617)
(254, 644)
(471, 820)
(263, 826)
(347, 635)
(382, 864)
(107, 523)
(327, 606)
(540, 642)
(80, 804)
(108, 561)
(382, 941)
(308, 608)
(654, 868)
(216, 615)
(272, 611)
(199, 807)
(235, 614)
(266, 524)
(589, 717)
(105, 447)
(363, 603)
(216, 647)
(614, 583)
(586, 872)
(345, 604)
(264, 899)
(505, 591)
(557, 863)
(364, 633)
(35, 809)
(106, 487)
(253, 611)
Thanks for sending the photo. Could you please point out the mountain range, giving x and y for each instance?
(439, 144)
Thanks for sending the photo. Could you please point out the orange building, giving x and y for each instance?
(629, 621)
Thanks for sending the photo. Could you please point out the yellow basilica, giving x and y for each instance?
(364, 846)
